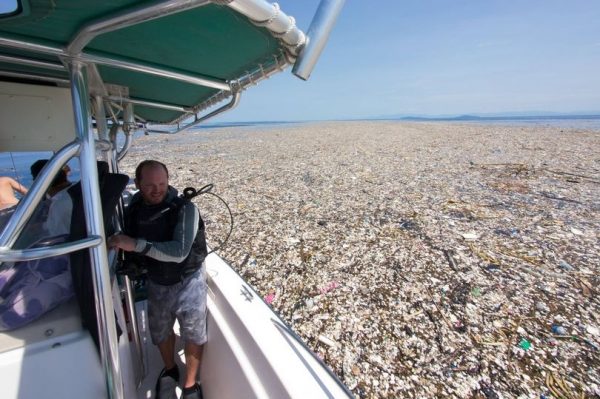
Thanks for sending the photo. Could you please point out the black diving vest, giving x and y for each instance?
(157, 224)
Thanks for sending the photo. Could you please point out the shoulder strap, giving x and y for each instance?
(129, 216)
(179, 202)
(176, 205)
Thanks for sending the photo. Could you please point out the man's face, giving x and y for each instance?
(153, 184)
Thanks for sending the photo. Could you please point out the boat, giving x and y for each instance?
(81, 78)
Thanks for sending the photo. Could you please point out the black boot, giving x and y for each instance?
(166, 383)
(193, 392)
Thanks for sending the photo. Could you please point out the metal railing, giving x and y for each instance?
(20, 255)
(28, 204)
(107, 332)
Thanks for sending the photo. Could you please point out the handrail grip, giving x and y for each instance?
(235, 99)
(18, 255)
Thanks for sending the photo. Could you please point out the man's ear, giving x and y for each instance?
(136, 183)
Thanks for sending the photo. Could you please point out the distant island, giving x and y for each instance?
(513, 116)
(492, 117)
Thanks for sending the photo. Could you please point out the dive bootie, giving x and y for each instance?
(194, 392)
(166, 383)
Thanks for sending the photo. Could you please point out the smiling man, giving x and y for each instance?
(162, 235)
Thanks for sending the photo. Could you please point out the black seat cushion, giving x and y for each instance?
(111, 189)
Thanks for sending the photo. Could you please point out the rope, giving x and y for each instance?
(289, 29)
(15, 168)
(270, 19)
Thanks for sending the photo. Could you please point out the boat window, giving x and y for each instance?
(17, 164)
(10, 8)
(18, 167)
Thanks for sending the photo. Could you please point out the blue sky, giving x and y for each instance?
(440, 57)
(8, 6)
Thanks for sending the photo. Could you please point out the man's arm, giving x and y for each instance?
(18, 186)
(175, 250)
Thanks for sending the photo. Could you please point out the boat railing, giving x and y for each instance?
(84, 148)
(20, 255)
(196, 120)
(29, 203)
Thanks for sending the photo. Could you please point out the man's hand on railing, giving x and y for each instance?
(123, 242)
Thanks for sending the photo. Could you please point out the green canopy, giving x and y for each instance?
(211, 41)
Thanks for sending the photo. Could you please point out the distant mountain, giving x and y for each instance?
(496, 116)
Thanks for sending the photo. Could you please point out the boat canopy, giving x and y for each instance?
(171, 59)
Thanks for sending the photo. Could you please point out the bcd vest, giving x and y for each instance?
(157, 224)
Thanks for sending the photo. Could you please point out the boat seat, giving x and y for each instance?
(112, 186)
(35, 358)
(62, 320)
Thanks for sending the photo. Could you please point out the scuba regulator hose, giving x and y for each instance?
(190, 192)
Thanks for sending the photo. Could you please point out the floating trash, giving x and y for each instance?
(327, 341)
(542, 307)
(270, 298)
(559, 330)
(470, 236)
(329, 287)
(592, 330)
(381, 209)
(524, 344)
(565, 266)
(576, 231)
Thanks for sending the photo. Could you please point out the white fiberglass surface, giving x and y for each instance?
(39, 370)
(250, 352)
(266, 352)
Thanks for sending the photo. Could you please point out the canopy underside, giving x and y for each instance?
(211, 42)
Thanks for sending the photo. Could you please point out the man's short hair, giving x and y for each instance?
(37, 166)
(151, 163)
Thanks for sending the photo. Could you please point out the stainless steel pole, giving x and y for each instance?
(135, 331)
(318, 33)
(93, 216)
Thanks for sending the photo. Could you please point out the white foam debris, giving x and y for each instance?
(382, 209)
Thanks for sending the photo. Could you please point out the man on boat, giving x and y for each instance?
(163, 235)
(59, 183)
(55, 214)
(8, 201)
(8, 186)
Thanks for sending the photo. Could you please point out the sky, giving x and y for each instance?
(440, 57)
(8, 6)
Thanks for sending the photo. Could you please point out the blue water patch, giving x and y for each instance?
(567, 123)
(590, 122)
(17, 165)
(255, 124)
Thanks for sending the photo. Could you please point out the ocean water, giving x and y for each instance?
(567, 123)
(590, 122)
(16, 164)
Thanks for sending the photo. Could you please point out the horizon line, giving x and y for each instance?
(467, 116)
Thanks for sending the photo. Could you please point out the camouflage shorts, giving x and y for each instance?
(184, 301)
